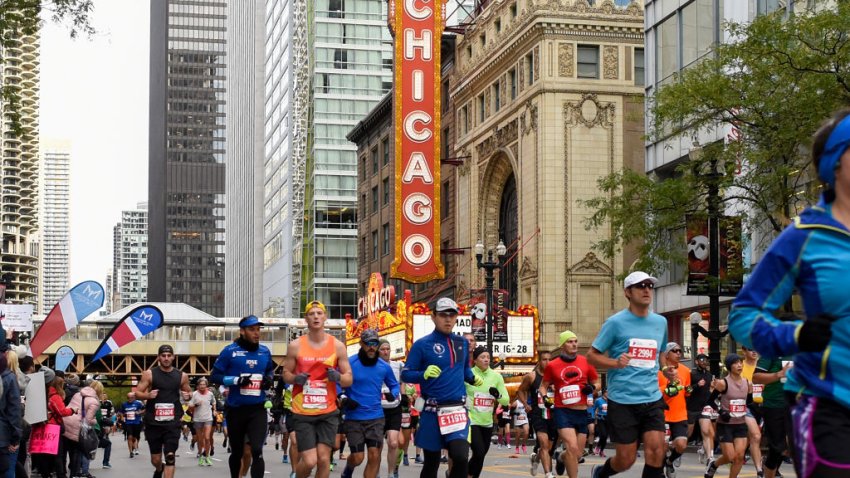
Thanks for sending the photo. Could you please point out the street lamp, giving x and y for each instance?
(489, 267)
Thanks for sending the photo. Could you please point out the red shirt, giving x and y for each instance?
(568, 378)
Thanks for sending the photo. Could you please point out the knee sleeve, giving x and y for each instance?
(374, 444)
(169, 459)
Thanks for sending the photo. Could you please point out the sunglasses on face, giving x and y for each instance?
(676, 351)
(372, 344)
(644, 285)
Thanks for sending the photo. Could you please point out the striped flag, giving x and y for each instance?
(136, 324)
(83, 299)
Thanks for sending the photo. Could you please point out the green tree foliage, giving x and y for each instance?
(19, 18)
(776, 82)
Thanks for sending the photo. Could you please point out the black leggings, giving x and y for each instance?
(602, 433)
(249, 420)
(458, 454)
(776, 429)
(480, 446)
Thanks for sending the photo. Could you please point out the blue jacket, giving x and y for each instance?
(233, 362)
(811, 256)
(366, 388)
(451, 354)
(137, 407)
(10, 410)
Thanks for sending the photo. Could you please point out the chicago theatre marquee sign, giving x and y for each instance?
(417, 26)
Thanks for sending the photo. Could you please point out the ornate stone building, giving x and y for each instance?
(548, 98)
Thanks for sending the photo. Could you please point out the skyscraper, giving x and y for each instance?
(244, 146)
(54, 223)
(328, 62)
(130, 277)
(18, 221)
(187, 153)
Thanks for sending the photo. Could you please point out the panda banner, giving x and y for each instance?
(696, 228)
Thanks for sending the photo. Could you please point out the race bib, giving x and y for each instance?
(315, 395)
(506, 415)
(709, 412)
(405, 420)
(131, 415)
(737, 408)
(253, 388)
(605, 407)
(569, 394)
(643, 353)
(163, 412)
(483, 402)
(521, 419)
(451, 419)
(104, 412)
(758, 389)
(589, 400)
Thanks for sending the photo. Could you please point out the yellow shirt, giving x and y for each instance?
(748, 374)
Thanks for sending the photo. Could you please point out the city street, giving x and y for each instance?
(500, 464)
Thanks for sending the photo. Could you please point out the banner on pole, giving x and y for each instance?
(80, 302)
(136, 324)
(696, 228)
(64, 356)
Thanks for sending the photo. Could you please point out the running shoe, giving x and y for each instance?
(292, 475)
(285, 458)
(395, 474)
(347, 472)
(517, 450)
(201, 461)
(524, 450)
(107, 466)
(276, 446)
(560, 467)
(535, 461)
(710, 469)
(678, 462)
(669, 469)
(594, 472)
(418, 460)
(405, 461)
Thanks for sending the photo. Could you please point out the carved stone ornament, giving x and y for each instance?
(527, 270)
(566, 59)
(610, 62)
(528, 119)
(463, 169)
(589, 112)
(500, 137)
(590, 265)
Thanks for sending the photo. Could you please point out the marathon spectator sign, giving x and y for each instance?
(16, 317)
(417, 27)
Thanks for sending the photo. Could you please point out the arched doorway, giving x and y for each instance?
(508, 232)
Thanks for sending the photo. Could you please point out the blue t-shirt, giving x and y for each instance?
(132, 412)
(366, 388)
(600, 408)
(643, 338)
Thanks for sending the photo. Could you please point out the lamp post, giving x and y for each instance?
(489, 266)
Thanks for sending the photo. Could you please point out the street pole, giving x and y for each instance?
(489, 278)
(714, 269)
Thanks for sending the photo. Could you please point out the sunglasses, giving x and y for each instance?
(372, 343)
(676, 351)
(644, 285)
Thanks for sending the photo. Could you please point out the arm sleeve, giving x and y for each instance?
(751, 321)
(411, 373)
(468, 376)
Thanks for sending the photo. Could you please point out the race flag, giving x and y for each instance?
(83, 299)
(64, 356)
(137, 323)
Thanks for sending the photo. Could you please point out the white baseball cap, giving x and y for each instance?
(637, 277)
(445, 304)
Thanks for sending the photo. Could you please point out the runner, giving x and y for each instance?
(165, 388)
(539, 415)
(364, 412)
(520, 426)
(247, 369)
(632, 340)
(131, 413)
(675, 391)
(600, 412)
(203, 410)
(735, 393)
(770, 373)
(392, 411)
(699, 412)
(407, 420)
(573, 379)
(481, 400)
(439, 362)
(753, 417)
(315, 363)
(504, 423)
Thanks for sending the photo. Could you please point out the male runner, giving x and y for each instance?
(675, 391)
(392, 411)
(753, 417)
(315, 363)
(131, 412)
(539, 414)
(246, 367)
(440, 363)
(770, 373)
(165, 388)
(364, 413)
(629, 344)
(573, 380)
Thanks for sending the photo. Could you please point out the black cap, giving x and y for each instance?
(165, 348)
(702, 357)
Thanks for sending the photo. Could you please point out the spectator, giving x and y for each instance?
(51, 465)
(85, 402)
(10, 417)
(72, 386)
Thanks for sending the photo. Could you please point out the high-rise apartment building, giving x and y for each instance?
(328, 62)
(187, 153)
(54, 221)
(19, 198)
(130, 276)
(244, 146)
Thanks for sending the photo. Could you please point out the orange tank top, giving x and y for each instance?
(318, 395)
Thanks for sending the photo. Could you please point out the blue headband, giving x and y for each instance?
(836, 145)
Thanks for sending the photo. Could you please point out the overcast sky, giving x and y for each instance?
(94, 92)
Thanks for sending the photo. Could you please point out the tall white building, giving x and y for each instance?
(328, 62)
(54, 221)
(130, 275)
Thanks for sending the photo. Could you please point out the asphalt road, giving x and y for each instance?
(501, 463)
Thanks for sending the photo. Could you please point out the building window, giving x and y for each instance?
(363, 207)
(767, 6)
(445, 201)
(497, 100)
(498, 24)
(483, 39)
(336, 8)
(374, 245)
(375, 161)
(363, 249)
(482, 110)
(588, 61)
(375, 199)
(666, 56)
(529, 69)
(363, 168)
(386, 185)
(513, 10)
(469, 51)
(447, 152)
(640, 74)
(341, 59)
(385, 230)
(464, 118)
(512, 83)
(385, 149)
(446, 97)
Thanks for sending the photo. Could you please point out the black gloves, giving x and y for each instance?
(494, 392)
(405, 401)
(301, 378)
(588, 389)
(333, 375)
(349, 404)
(244, 381)
(389, 397)
(815, 333)
(724, 414)
(267, 383)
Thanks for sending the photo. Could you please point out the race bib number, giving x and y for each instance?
(483, 402)
(131, 415)
(451, 419)
(643, 352)
(570, 394)
(737, 408)
(605, 407)
(163, 412)
(315, 395)
(589, 400)
(253, 388)
(104, 412)
(506, 415)
(758, 389)
(405, 420)
(521, 419)
(709, 412)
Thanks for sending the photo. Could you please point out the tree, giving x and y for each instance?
(19, 18)
(775, 83)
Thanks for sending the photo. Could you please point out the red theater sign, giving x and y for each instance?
(417, 26)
